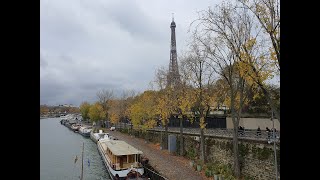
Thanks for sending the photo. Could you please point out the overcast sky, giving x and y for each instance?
(89, 45)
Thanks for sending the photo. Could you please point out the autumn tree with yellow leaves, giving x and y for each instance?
(257, 70)
(165, 107)
(266, 14)
(200, 78)
(84, 110)
(223, 32)
(96, 112)
(165, 101)
(114, 111)
(142, 110)
(186, 96)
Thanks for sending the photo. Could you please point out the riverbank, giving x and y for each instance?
(168, 165)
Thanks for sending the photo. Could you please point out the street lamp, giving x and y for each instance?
(274, 145)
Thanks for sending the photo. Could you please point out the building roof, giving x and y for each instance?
(120, 148)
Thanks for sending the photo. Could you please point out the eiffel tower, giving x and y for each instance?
(173, 78)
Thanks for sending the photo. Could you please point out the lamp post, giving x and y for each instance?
(274, 146)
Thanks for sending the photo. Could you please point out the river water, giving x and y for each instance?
(58, 148)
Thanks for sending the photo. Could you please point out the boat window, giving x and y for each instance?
(130, 158)
(124, 158)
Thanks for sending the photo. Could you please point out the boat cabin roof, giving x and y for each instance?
(119, 148)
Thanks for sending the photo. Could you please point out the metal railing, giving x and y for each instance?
(153, 175)
(226, 133)
(218, 132)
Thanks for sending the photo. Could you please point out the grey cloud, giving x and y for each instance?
(43, 62)
(137, 23)
(86, 45)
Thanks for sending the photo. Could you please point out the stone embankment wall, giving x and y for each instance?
(256, 158)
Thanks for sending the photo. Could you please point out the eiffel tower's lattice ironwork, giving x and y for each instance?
(173, 78)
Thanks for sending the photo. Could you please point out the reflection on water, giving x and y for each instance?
(58, 148)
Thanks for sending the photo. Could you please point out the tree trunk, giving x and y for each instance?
(202, 155)
(241, 102)
(181, 138)
(165, 145)
(235, 137)
(236, 152)
(201, 116)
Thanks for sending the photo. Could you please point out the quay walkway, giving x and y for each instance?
(247, 134)
(170, 166)
(224, 133)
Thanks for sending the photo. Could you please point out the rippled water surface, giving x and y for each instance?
(58, 148)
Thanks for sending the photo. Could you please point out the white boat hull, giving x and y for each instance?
(122, 173)
(96, 136)
(85, 131)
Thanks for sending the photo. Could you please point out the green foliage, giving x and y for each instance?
(139, 133)
(261, 154)
(226, 171)
(228, 146)
(210, 166)
(243, 150)
(191, 153)
(215, 167)
(208, 173)
(248, 178)
(230, 178)
(124, 131)
(211, 169)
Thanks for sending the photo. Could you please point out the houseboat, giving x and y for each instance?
(96, 136)
(85, 131)
(120, 159)
(75, 127)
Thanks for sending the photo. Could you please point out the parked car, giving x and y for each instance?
(112, 128)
